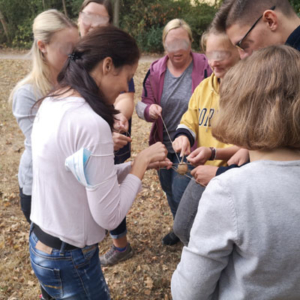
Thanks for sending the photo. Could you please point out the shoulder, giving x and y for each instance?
(83, 119)
(26, 90)
(24, 98)
(159, 65)
(203, 85)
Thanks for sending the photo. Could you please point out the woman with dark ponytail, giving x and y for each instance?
(78, 192)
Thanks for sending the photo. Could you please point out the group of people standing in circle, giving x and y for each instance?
(210, 111)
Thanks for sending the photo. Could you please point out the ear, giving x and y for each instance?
(107, 65)
(271, 19)
(42, 46)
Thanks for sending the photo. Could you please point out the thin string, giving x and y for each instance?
(170, 138)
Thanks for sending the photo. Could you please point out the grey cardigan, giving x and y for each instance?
(245, 239)
(23, 101)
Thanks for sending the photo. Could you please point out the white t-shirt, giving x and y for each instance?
(62, 206)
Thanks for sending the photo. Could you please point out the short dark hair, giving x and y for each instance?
(100, 43)
(106, 3)
(247, 11)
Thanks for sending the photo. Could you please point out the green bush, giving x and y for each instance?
(145, 20)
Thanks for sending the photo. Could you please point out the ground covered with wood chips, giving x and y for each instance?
(146, 276)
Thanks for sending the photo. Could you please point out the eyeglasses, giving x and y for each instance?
(239, 43)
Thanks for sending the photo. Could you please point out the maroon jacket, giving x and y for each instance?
(153, 88)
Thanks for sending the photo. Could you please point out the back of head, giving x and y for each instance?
(102, 42)
(106, 3)
(260, 108)
(244, 12)
(45, 25)
(174, 24)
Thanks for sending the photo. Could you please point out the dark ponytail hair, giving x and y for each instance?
(102, 42)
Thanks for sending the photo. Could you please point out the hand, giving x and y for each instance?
(203, 174)
(155, 111)
(199, 156)
(182, 144)
(239, 158)
(120, 140)
(166, 163)
(155, 153)
(121, 123)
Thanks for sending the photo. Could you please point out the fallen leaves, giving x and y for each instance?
(145, 276)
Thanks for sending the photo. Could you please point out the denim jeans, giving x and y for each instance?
(69, 274)
(120, 231)
(173, 184)
(187, 211)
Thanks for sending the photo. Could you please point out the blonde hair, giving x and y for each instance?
(45, 25)
(174, 24)
(260, 101)
(214, 31)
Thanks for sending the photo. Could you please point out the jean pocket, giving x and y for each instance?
(50, 279)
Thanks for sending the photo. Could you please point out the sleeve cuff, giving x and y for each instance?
(185, 132)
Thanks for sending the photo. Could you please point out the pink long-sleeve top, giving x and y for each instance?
(62, 206)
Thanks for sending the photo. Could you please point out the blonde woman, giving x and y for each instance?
(168, 87)
(245, 239)
(54, 38)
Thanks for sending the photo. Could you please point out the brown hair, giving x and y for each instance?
(102, 42)
(106, 3)
(245, 12)
(260, 101)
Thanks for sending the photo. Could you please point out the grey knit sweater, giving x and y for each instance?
(245, 241)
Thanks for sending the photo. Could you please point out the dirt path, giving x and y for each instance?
(26, 56)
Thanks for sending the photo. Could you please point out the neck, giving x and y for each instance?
(179, 69)
(53, 77)
(288, 27)
(280, 154)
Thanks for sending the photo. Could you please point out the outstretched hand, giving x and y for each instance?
(182, 144)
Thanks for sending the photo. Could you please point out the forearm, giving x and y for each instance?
(139, 166)
(226, 153)
(125, 104)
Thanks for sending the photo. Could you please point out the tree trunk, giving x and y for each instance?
(116, 12)
(4, 26)
(65, 8)
(44, 6)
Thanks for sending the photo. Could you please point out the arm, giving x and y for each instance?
(23, 102)
(239, 158)
(125, 104)
(148, 100)
(186, 132)
(109, 202)
(202, 154)
(213, 236)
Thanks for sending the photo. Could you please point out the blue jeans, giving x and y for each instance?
(73, 274)
(173, 184)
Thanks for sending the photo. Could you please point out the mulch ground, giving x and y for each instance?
(146, 276)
